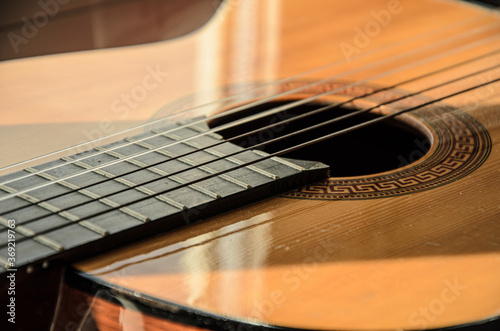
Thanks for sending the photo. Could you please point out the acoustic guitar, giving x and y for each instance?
(290, 165)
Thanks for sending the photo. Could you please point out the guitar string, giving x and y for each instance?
(139, 154)
(288, 150)
(311, 113)
(237, 109)
(119, 146)
(235, 96)
(97, 183)
(284, 151)
(412, 64)
(115, 193)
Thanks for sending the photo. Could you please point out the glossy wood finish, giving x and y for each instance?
(423, 260)
(414, 261)
(77, 310)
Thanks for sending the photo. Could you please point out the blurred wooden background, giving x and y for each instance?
(41, 27)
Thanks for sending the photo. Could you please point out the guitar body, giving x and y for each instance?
(416, 246)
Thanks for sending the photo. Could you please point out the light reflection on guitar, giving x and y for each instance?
(407, 248)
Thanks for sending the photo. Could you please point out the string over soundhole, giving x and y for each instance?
(418, 150)
(377, 148)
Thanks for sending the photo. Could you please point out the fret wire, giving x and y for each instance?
(370, 122)
(5, 263)
(162, 173)
(107, 201)
(196, 164)
(85, 223)
(440, 70)
(290, 149)
(261, 144)
(44, 240)
(55, 210)
(193, 165)
(145, 190)
(48, 242)
(278, 82)
(214, 153)
(474, 31)
(256, 151)
(280, 160)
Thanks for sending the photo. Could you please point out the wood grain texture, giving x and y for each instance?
(424, 260)
(417, 261)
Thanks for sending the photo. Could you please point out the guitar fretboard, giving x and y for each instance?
(49, 229)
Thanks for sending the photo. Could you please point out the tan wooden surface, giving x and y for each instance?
(421, 260)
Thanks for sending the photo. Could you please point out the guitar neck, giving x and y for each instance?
(136, 188)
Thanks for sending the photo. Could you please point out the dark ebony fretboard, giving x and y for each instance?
(48, 229)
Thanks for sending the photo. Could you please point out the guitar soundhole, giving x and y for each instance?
(377, 148)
